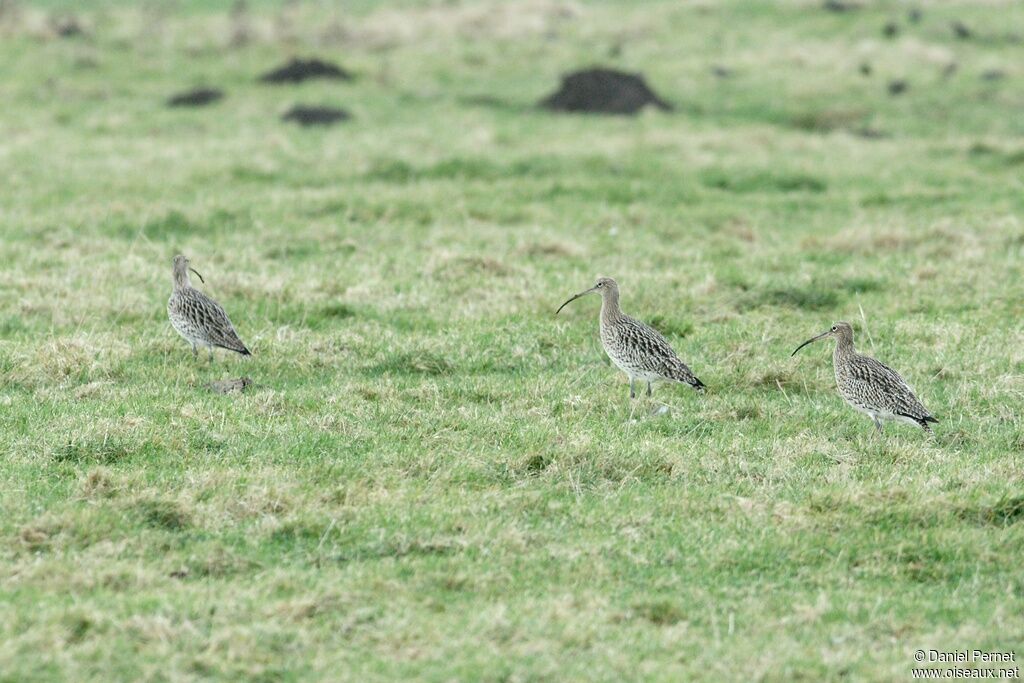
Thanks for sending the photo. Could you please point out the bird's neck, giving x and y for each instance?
(181, 279)
(844, 349)
(610, 311)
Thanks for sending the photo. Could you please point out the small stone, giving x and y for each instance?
(230, 386)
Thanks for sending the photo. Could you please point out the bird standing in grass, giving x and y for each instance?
(635, 348)
(871, 387)
(197, 317)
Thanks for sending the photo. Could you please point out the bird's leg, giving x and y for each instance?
(648, 390)
(632, 388)
(211, 355)
(195, 351)
(878, 425)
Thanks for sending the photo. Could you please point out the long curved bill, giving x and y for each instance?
(812, 339)
(197, 275)
(573, 299)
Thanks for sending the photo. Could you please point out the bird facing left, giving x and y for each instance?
(197, 317)
(637, 349)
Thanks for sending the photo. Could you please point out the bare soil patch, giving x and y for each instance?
(603, 91)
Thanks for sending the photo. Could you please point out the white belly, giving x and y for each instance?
(882, 415)
(194, 341)
(634, 372)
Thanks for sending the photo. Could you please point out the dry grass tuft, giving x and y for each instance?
(162, 513)
(828, 120)
(100, 483)
(462, 267)
(551, 249)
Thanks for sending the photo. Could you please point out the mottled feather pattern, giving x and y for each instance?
(871, 385)
(201, 320)
(642, 351)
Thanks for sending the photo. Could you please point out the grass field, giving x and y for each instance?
(434, 478)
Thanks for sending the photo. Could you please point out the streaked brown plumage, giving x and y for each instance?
(871, 387)
(635, 348)
(197, 317)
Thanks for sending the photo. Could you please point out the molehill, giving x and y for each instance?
(603, 91)
(299, 70)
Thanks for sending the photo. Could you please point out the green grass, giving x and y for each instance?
(434, 478)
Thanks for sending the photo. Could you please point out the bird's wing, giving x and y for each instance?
(886, 388)
(212, 320)
(654, 353)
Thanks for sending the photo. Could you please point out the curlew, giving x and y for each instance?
(197, 317)
(635, 348)
(869, 386)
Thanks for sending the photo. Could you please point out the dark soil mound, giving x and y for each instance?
(840, 6)
(67, 26)
(961, 31)
(199, 97)
(299, 70)
(603, 91)
(898, 87)
(315, 116)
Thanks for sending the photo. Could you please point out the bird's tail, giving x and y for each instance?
(235, 345)
(683, 374)
(923, 421)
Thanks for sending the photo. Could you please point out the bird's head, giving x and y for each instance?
(605, 286)
(842, 331)
(181, 268)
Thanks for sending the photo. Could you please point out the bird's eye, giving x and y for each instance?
(600, 284)
(834, 328)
